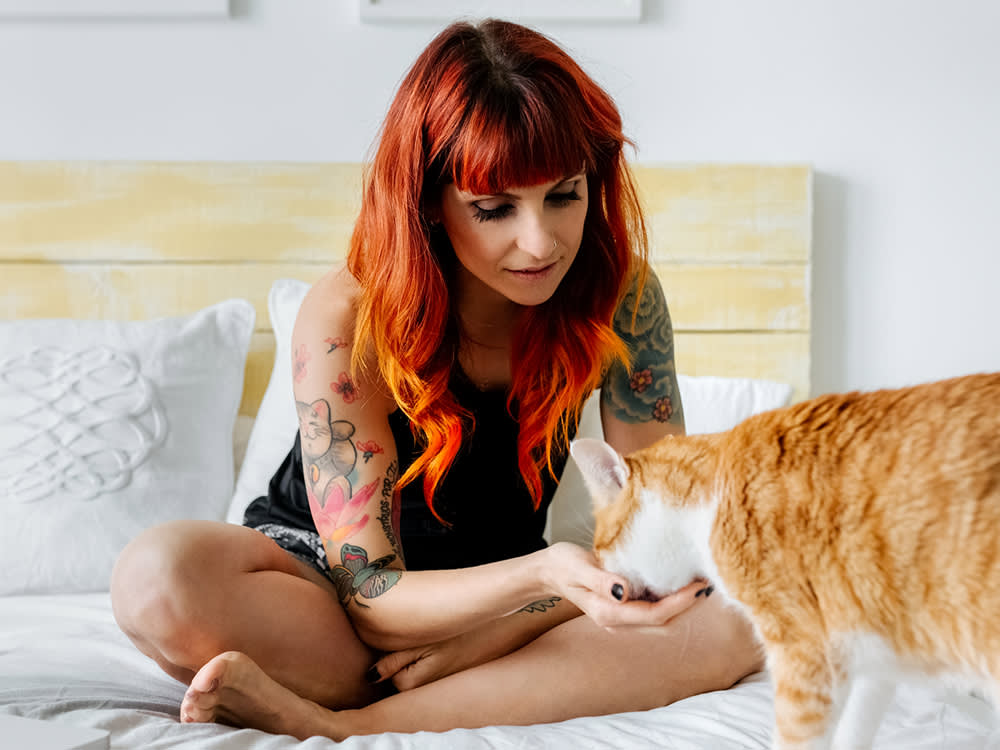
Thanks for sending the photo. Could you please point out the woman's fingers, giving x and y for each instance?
(609, 613)
(605, 596)
(392, 663)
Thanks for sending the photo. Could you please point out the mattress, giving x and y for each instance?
(63, 659)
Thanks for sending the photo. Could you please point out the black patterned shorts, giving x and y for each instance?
(304, 544)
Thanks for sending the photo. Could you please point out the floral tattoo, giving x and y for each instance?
(334, 343)
(368, 449)
(649, 390)
(299, 363)
(344, 385)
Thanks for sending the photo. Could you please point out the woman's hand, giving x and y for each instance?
(575, 575)
(413, 667)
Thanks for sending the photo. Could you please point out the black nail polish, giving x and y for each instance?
(617, 591)
(707, 591)
(372, 675)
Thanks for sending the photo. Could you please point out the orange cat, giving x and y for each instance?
(860, 533)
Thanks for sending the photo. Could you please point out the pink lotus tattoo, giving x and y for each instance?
(339, 515)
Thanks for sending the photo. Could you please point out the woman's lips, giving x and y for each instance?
(532, 273)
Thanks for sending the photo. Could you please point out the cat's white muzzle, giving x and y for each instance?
(663, 549)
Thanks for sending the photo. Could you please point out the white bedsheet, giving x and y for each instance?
(63, 658)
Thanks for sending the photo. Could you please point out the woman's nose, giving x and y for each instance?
(537, 241)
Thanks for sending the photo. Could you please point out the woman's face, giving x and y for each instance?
(518, 244)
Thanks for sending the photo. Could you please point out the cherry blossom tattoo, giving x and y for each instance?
(334, 343)
(344, 385)
(368, 449)
(299, 363)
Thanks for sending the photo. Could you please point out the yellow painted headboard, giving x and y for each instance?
(731, 244)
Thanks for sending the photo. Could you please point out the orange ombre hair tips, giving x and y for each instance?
(488, 107)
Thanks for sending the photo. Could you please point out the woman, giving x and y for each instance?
(497, 275)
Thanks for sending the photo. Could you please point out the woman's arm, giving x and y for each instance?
(641, 405)
(420, 665)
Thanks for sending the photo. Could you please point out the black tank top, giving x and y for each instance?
(482, 497)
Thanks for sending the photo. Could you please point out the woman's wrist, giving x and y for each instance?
(548, 582)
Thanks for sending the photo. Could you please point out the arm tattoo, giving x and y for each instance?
(390, 508)
(345, 386)
(355, 575)
(541, 605)
(328, 458)
(648, 391)
(299, 363)
(334, 343)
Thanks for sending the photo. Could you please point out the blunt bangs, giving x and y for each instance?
(516, 138)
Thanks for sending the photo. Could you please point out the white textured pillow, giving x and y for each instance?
(108, 427)
(716, 404)
(274, 429)
(711, 404)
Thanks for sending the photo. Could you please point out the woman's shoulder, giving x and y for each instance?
(330, 301)
(644, 306)
(326, 323)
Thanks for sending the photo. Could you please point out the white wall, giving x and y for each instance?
(896, 104)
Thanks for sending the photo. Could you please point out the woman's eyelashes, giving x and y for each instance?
(492, 214)
(502, 211)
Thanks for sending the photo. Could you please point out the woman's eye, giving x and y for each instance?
(564, 199)
(491, 214)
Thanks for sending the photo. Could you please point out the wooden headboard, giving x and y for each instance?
(113, 240)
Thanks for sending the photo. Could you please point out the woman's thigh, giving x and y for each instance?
(187, 591)
(709, 647)
(578, 669)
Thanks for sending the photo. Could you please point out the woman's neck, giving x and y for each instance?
(486, 321)
(485, 317)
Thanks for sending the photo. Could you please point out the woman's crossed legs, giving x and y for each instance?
(264, 643)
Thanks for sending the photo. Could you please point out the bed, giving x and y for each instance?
(145, 375)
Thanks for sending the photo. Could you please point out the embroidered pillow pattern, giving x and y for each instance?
(74, 424)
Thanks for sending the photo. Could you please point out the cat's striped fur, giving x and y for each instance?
(859, 532)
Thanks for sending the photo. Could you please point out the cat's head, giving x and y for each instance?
(652, 515)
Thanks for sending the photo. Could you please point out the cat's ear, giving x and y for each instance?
(604, 470)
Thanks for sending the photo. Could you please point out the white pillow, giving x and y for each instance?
(108, 427)
(277, 421)
(716, 404)
(711, 404)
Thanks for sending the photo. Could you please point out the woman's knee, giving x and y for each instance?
(159, 581)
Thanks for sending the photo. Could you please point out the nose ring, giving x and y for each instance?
(555, 243)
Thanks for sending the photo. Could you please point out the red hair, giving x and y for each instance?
(489, 107)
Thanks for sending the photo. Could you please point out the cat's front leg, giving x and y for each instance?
(804, 700)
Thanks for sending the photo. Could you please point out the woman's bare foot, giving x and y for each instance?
(231, 688)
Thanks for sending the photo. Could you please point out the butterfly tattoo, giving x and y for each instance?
(358, 576)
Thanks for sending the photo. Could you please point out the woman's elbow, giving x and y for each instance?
(377, 636)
